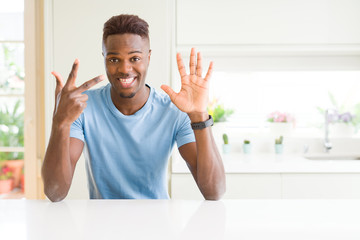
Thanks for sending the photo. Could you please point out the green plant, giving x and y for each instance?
(279, 140)
(225, 138)
(246, 141)
(340, 113)
(12, 130)
(5, 173)
(218, 111)
(12, 74)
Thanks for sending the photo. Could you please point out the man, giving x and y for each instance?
(127, 129)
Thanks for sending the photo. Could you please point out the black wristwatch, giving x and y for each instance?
(202, 125)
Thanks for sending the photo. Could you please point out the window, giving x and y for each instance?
(255, 86)
(255, 94)
(12, 86)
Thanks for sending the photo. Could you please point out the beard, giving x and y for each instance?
(131, 95)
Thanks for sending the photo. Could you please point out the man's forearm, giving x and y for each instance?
(57, 170)
(210, 174)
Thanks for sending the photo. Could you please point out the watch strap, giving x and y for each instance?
(202, 125)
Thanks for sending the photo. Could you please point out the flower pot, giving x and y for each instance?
(16, 167)
(226, 148)
(6, 186)
(279, 148)
(247, 148)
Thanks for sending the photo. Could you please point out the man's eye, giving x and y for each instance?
(135, 59)
(113, 60)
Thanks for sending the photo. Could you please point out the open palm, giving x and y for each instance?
(194, 93)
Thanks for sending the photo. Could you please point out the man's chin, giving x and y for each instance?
(127, 95)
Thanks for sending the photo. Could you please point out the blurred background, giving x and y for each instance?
(279, 65)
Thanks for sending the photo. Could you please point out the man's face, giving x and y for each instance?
(127, 58)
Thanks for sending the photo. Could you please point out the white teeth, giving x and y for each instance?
(126, 80)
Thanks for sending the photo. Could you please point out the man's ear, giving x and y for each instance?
(149, 54)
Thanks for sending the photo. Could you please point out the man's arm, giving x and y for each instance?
(63, 152)
(59, 164)
(202, 157)
(205, 164)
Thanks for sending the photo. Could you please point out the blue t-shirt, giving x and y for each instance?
(126, 156)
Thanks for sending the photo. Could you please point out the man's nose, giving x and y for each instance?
(125, 67)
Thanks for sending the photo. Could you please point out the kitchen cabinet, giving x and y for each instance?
(275, 186)
(273, 177)
(262, 22)
(239, 186)
(321, 185)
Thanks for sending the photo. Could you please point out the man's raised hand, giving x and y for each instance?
(69, 100)
(194, 94)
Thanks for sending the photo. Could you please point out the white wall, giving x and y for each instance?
(73, 29)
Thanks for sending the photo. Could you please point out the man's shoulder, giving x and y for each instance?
(163, 105)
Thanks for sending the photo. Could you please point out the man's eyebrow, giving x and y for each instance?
(112, 53)
(116, 53)
(136, 51)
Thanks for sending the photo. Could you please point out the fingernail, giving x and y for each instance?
(76, 61)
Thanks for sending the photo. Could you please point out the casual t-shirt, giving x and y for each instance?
(126, 156)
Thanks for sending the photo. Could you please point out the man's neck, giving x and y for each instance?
(129, 106)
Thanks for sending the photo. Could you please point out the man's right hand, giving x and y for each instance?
(69, 100)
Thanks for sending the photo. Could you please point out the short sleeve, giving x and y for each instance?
(77, 130)
(185, 134)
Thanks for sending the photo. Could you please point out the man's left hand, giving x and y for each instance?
(193, 97)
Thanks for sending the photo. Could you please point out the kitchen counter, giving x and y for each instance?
(272, 163)
(180, 219)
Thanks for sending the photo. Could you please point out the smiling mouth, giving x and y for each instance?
(126, 82)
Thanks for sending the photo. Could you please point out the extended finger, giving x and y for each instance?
(181, 66)
(73, 74)
(192, 61)
(199, 65)
(88, 84)
(59, 86)
(59, 79)
(209, 72)
(169, 91)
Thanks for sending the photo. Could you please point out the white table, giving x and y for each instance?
(180, 219)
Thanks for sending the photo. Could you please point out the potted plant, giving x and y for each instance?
(12, 135)
(341, 123)
(226, 145)
(218, 112)
(281, 123)
(279, 147)
(6, 181)
(247, 146)
(343, 120)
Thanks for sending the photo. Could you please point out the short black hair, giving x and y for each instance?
(126, 23)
